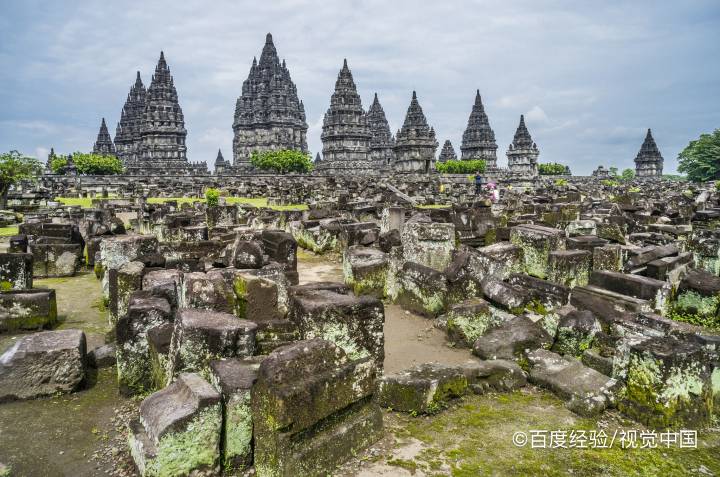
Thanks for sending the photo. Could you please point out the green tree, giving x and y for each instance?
(551, 169)
(15, 167)
(614, 172)
(57, 163)
(460, 167)
(628, 175)
(95, 164)
(701, 159)
(283, 161)
(212, 197)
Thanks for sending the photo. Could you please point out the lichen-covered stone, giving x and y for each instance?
(178, 433)
(355, 324)
(569, 267)
(505, 296)
(656, 292)
(545, 295)
(512, 340)
(422, 290)
(16, 271)
(123, 281)
(537, 242)
(493, 375)
(575, 333)
(27, 309)
(608, 257)
(203, 335)
(429, 244)
(45, 363)
(312, 409)
(257, 298)
(421, 388)
(669, 384)
(467, 320)
(698, 294)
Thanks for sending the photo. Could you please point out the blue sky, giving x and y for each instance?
(590, 77)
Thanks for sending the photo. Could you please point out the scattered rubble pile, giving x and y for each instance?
(566, 287)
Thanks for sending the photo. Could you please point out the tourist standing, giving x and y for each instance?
(478, 183)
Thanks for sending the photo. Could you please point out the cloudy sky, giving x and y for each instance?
(590, 77)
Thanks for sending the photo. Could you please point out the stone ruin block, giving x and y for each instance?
(185, 265)
(608, 257)
(586, 391)
(122, 282)
(179, 430)
(203, 335)
(243, 254)
(569, 267)
(669, 384)
(198, 291)
(257, 298)
(134, 362)
(575, 333)
(465, 321)
(505, 296)
(43, 364)
(642, 288)
(313, 409)
(537, 242)
(116, 250)
(429, 244)
(167, 284)
(463, 279)
(422, 290)
(388, 240)
(18, 244)
(354, 323)
(234, 379)
(698, 294)
(281, 247)
(392, 218)
(497, 375)
(512, 340)
(273, 334)
(392, 279)
(551, 319)
(55, 260)
(16, 271)
(365, 271)
(358, 234)
(274, 272)
(545, 295)
(671, 269)
(421, 389)
(221, 215)
(27, 309)
(501, 259)
(103, 356)
(158, 340)
(637, 264)
(706, 251)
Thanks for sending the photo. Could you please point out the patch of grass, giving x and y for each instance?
(8, 231)
(475, 438)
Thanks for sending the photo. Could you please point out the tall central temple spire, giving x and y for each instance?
(268, 114)
(346, 130)
(478, 140)
(127, 133)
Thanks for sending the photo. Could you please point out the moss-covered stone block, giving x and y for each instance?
(537, 242)
(512, 340)
(575, 333)
(698, 294)
(467, 321)
(27, 309)
(422, 290)
(569, 267)
(421, 388)
(669, 384)
(16, 271)
(429, 244)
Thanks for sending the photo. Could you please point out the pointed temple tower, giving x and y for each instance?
(478, 141)
(104, 145)
(162, 130)
(649, 162)
(48, 169)
(447, 153)
(523, 153)
(127, 133)
(221, 165)
(346, 130)
(268, 114)
(382, 142)
(415, 143)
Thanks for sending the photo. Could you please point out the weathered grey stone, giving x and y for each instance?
(422, 290)
(545, 295)
(16, 271)
(431, 245)
(493, 375)
(587, 392)
(103, 356)
(45, 363)
(273, 334)
(464, 322)
(569, 267)
(355, 324)
(55, 260)
(122, 282)
(203, 335)
(551, 319)
(575, 333)
(643, 288)
(312, 409)
(505, 296)
(537, 242)
(698, 294)
(198, 291)
(179, 429)
(608, 257)
(421, 389)
(27, 309)
(512, 340)
(257, 298)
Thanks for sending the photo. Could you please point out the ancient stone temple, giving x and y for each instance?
(382, 142)
(221, 165)
(415, 143)
(649, 162)
(162, 130)
(447, 153)
(346, 130)
(127, 133)
(478, 141)
(523, 153)
(268, 114)
(104, 145)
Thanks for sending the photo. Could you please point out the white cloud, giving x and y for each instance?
(41, 153)
(536, 116)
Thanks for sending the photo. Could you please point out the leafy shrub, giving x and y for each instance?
(89, 164)
(460, 167)
(561, 182)
(212, 197)
(551, 169)
(283, 161)
(609, 183)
